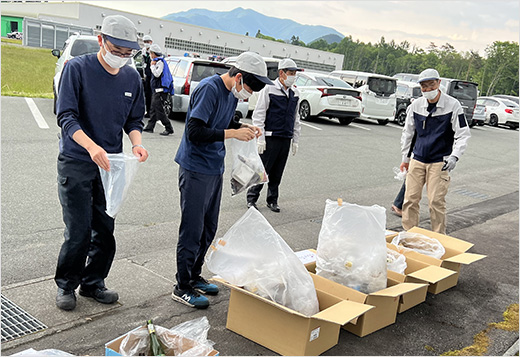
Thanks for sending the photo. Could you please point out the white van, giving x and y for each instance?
(377, 91)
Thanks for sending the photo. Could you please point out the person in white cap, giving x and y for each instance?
(100, 97)
(200, 157)
(147, 73)
(162, 87)
(441, 132)
(276, 113)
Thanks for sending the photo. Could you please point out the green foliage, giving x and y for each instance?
(264, 37)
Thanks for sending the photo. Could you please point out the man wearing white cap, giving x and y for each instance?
(100, 97)
(276, 113)
(147, 73)
(441, 133)
(201, 165)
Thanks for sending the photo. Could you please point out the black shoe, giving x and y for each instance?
(147, 115)
(148, 130)
(66, 299)
(273, 207)
(251, 204)
(166, 133)
(102, 295)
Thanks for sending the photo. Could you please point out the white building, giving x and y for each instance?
(177, 38)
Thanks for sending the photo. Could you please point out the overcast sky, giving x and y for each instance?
(467, 25)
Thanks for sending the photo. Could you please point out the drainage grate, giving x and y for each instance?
(464, 192)
(16, 322)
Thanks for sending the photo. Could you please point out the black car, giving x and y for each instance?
(405, 93)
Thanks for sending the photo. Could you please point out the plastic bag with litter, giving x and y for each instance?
(395, 261)
(49, 352)
(248, 169)
(117, 181)
(399, 175)
(252, 255)
(419, 243)
(352, 246)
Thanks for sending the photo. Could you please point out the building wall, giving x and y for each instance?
(7, 27)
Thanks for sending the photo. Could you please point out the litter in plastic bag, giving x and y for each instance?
(252, 255)
(48, 352)
(248, 169)
(419, 243)
(352, 247)
(116, 181)
(399, 175)
(186, 339)
(395, 261)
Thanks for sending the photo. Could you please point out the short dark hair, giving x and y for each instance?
(254, 83)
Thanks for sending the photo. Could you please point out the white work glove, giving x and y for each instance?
(449, 164)
(294, 148)
(261, 147)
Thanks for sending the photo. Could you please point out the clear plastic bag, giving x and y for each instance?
(116, 181)
(251, 254)
(48, 352)
(248, 169)
(352, 246)
(419, 243)
(186, 339)
(395, 261)
(399, 175)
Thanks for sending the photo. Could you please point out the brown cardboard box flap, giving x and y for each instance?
(465, 258)
(397, 290)
(338, 289)
(432, 274)
(343, 312)
(447, 241)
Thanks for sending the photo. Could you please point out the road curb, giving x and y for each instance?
(513, 350)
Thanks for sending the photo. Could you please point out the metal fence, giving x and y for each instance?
(49, 34)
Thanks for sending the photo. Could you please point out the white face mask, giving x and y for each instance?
(147, 45)
(243, 94)
(289, 81)
(113, 60)
(431, 94)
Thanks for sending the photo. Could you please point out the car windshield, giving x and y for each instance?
(333, 82)
(463, 90)
(381, 86)
(416, 92)
(84, 46)
(203, 70)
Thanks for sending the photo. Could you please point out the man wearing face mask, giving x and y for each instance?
(441, 135)
(201, 165)
(100, 97)
(147, 39)
(161, 87)
(276, 113)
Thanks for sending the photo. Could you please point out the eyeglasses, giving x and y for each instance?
(118, 53)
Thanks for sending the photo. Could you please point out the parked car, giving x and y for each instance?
(479, 114)
(378, 100)
(15, 35)
(500, 111)
(465, 92)
(407, 77)
(405, 94)
(510, 97)
(187, 72)
(324, 95)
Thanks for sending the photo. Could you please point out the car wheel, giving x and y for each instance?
(305, 110)
(493, 120)
(382, 121)
(401, 117)
(167, 105)
(345, 121)
(472, 124)
(480, 123)
(512, 126)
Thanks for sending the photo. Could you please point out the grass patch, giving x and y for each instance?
(27, 72)
(12, 40)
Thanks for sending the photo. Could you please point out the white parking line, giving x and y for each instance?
(311, 126)
(360, 127)
(36, 114)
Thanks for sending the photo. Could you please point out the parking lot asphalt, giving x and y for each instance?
(483, 209)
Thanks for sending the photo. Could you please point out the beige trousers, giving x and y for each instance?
(437, 183)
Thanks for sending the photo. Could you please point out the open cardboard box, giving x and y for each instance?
(112, 347)
(398, 296)
(286, 331)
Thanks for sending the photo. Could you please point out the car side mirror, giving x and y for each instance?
(56, 53)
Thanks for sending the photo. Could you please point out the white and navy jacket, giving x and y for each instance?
(442, 133)
(276, 112)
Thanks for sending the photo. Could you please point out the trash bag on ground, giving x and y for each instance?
(117, 181)
(248, 169)
(48, 352)
(395, 261)
(352, 247)
(419, 243)
(252, 255)
(186, 339)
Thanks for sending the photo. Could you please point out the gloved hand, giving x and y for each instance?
(261, 147)
(450, 163)
(294, 148)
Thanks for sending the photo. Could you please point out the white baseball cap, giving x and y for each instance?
(254, 64)
(288, 64)
(120, 31)
(147, 38)
(155, 48)
(428, 75)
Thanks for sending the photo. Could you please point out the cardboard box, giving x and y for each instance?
(112, 347)
(399, 296)
(286, 331)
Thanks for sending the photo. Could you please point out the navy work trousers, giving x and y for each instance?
(88, 250)
(200, 208)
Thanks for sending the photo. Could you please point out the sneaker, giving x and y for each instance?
(66, 299)
(273, 207)
(190, 297)
(204, 287)
(251, 204)
(166, 133)
(102, 295)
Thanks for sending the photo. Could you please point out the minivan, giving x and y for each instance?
(465, 92)
(377, 94)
